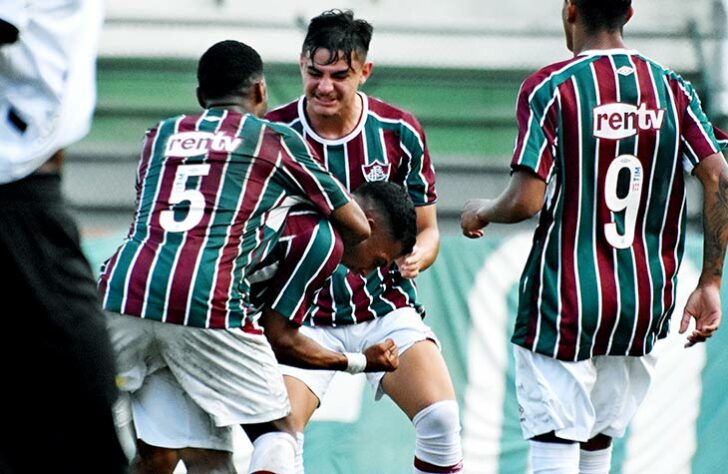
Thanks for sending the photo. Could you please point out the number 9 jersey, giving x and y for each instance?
(611, 132)
(213, 191)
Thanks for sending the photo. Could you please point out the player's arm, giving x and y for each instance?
(351, 222)
(293, 348)
(522, 199)
(427, 246)
(704, 302)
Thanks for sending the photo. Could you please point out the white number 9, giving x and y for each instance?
(629, 203)
(181, 193)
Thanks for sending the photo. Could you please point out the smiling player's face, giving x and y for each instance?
(330, 89)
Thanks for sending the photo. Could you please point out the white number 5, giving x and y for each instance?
(181, 193)
(629, 203)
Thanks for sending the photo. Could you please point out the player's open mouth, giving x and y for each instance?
(324, 101)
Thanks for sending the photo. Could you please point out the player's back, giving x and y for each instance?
(212, 195)
(613, 130)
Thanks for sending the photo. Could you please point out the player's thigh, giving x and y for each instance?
(303, 402)
(554, 395)
(422, 377)
(305, 383)
(621, 386)
(166, 417)
(231, 374)
(134, 352)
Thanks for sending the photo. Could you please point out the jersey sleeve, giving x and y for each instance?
(420, 178)
(537, 128)
(306, 255)
(698, 136)
(309, 178)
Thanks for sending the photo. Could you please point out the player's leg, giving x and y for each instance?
(556, 410)
(303, 404)
(233, 376)
(422, 388)
(306, 388)
(595, 456)
(207, 461)
(274, 447)
(154, 459)
(171, 427)
(621, 386)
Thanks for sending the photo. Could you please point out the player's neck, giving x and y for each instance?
(603, 40)
(332, 127)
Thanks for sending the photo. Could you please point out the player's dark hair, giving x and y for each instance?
(338, 32)
(395, 206)
(228, 68)
(603, 15)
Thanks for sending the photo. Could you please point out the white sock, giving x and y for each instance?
(554, 458)
(274, 451)
(595, 462)
(299, 453)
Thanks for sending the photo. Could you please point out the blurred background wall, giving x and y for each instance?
(456, 65)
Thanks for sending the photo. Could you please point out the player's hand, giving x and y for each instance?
(471, 224)
(704, 306)
(382, 357)
(409, 265)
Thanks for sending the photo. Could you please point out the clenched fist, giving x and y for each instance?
(382, 357)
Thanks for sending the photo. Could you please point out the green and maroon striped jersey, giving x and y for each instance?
(213, 191)
(307, 253)
(386, 144)
(611, 132)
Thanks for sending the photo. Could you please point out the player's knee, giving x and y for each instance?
(273, 452)
(438, 434)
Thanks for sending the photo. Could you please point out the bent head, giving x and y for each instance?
(230, 73)
(333, 61)
(393, 220)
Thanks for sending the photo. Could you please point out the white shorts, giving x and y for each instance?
(578, 400)
(165, 416)
(403, 325)
(231, 375)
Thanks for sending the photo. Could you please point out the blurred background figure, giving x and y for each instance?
(58, 371)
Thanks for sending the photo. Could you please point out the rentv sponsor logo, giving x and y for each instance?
(615, 121)
(199, 143)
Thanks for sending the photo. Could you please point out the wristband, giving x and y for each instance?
(357, 362)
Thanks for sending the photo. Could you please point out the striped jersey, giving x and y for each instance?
(306, 255)
(212, 195)
(611, 132)
(386, 144)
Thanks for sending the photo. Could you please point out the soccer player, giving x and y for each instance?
(213, 191)
(603, 140)
(361, 139)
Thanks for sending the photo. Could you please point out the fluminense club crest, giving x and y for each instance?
(377, 171)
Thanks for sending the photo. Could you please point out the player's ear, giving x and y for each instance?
(630, 12)
(260, 91)
(372, 220)
(366, 70)
(570, 11)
